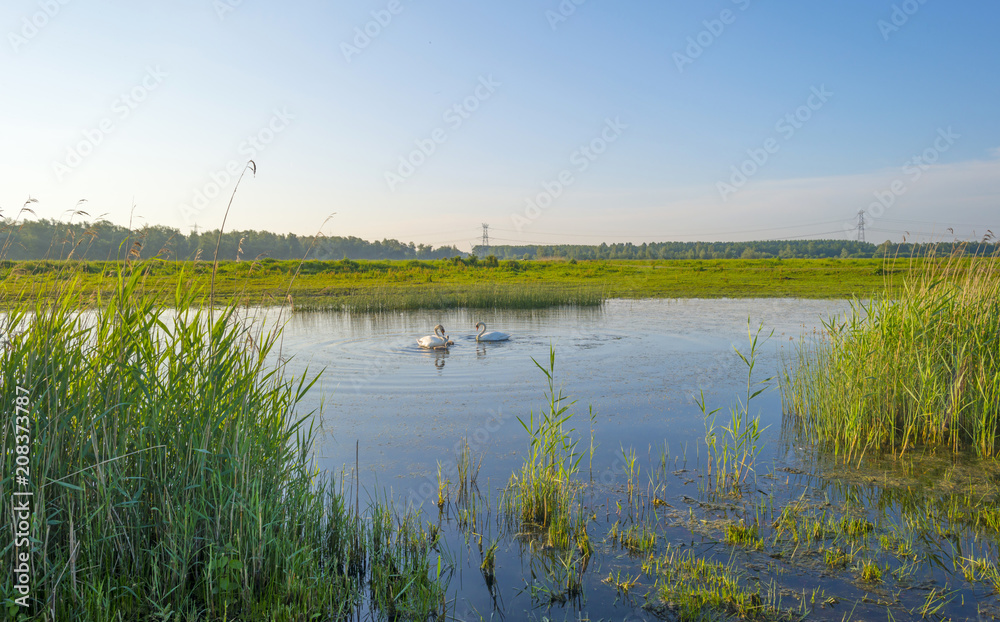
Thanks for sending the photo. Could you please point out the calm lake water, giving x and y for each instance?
(639, 365)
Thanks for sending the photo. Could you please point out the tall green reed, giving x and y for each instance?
(543, 492)
(172, 470)
(541, 504)
(918, 369)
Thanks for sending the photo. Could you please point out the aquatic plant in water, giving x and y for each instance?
(734, 458)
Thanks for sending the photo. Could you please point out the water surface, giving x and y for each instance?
(638, 364)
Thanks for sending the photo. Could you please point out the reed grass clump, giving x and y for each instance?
(734, 458)
(542, 497)
(172, 475)
(921, 368)
(636, 539)
(540, 503)
(870, 571)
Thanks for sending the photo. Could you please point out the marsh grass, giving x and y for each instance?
(869, 571)
(172, 472)
(468, 466)
(920, 367)
(838, 557)
(623, 584)
(388, 284)
(743, 534)
(400, 583)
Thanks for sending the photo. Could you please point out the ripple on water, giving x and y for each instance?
(636, 362)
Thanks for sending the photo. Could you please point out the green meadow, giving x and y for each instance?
(395, 285)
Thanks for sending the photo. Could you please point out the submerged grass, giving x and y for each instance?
(921, 368)
(696, 588)
(172, 475)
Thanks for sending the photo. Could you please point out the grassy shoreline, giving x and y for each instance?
(400, 285)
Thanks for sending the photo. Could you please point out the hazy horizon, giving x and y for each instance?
(564, 122)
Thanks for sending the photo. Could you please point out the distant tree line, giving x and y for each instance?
(50, 239)
(784, 249)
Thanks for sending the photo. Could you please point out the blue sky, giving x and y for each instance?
(553, 121)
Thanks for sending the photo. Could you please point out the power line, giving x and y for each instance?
(734, 232)
(938, 224)
(862, 227)
(912, 232)
(792, 237)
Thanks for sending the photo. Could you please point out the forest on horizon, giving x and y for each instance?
(51, 239)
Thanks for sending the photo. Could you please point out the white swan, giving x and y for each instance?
(490, 336)
(435, 341)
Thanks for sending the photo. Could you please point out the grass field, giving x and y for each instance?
(393, 285)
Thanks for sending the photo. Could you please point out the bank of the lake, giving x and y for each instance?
(398, 285)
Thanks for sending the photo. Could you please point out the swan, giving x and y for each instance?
(490, 336)
(436, 341)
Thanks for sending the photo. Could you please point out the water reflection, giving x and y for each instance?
(438, 356)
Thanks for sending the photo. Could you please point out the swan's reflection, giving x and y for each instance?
(439, 357)
(480, 350)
